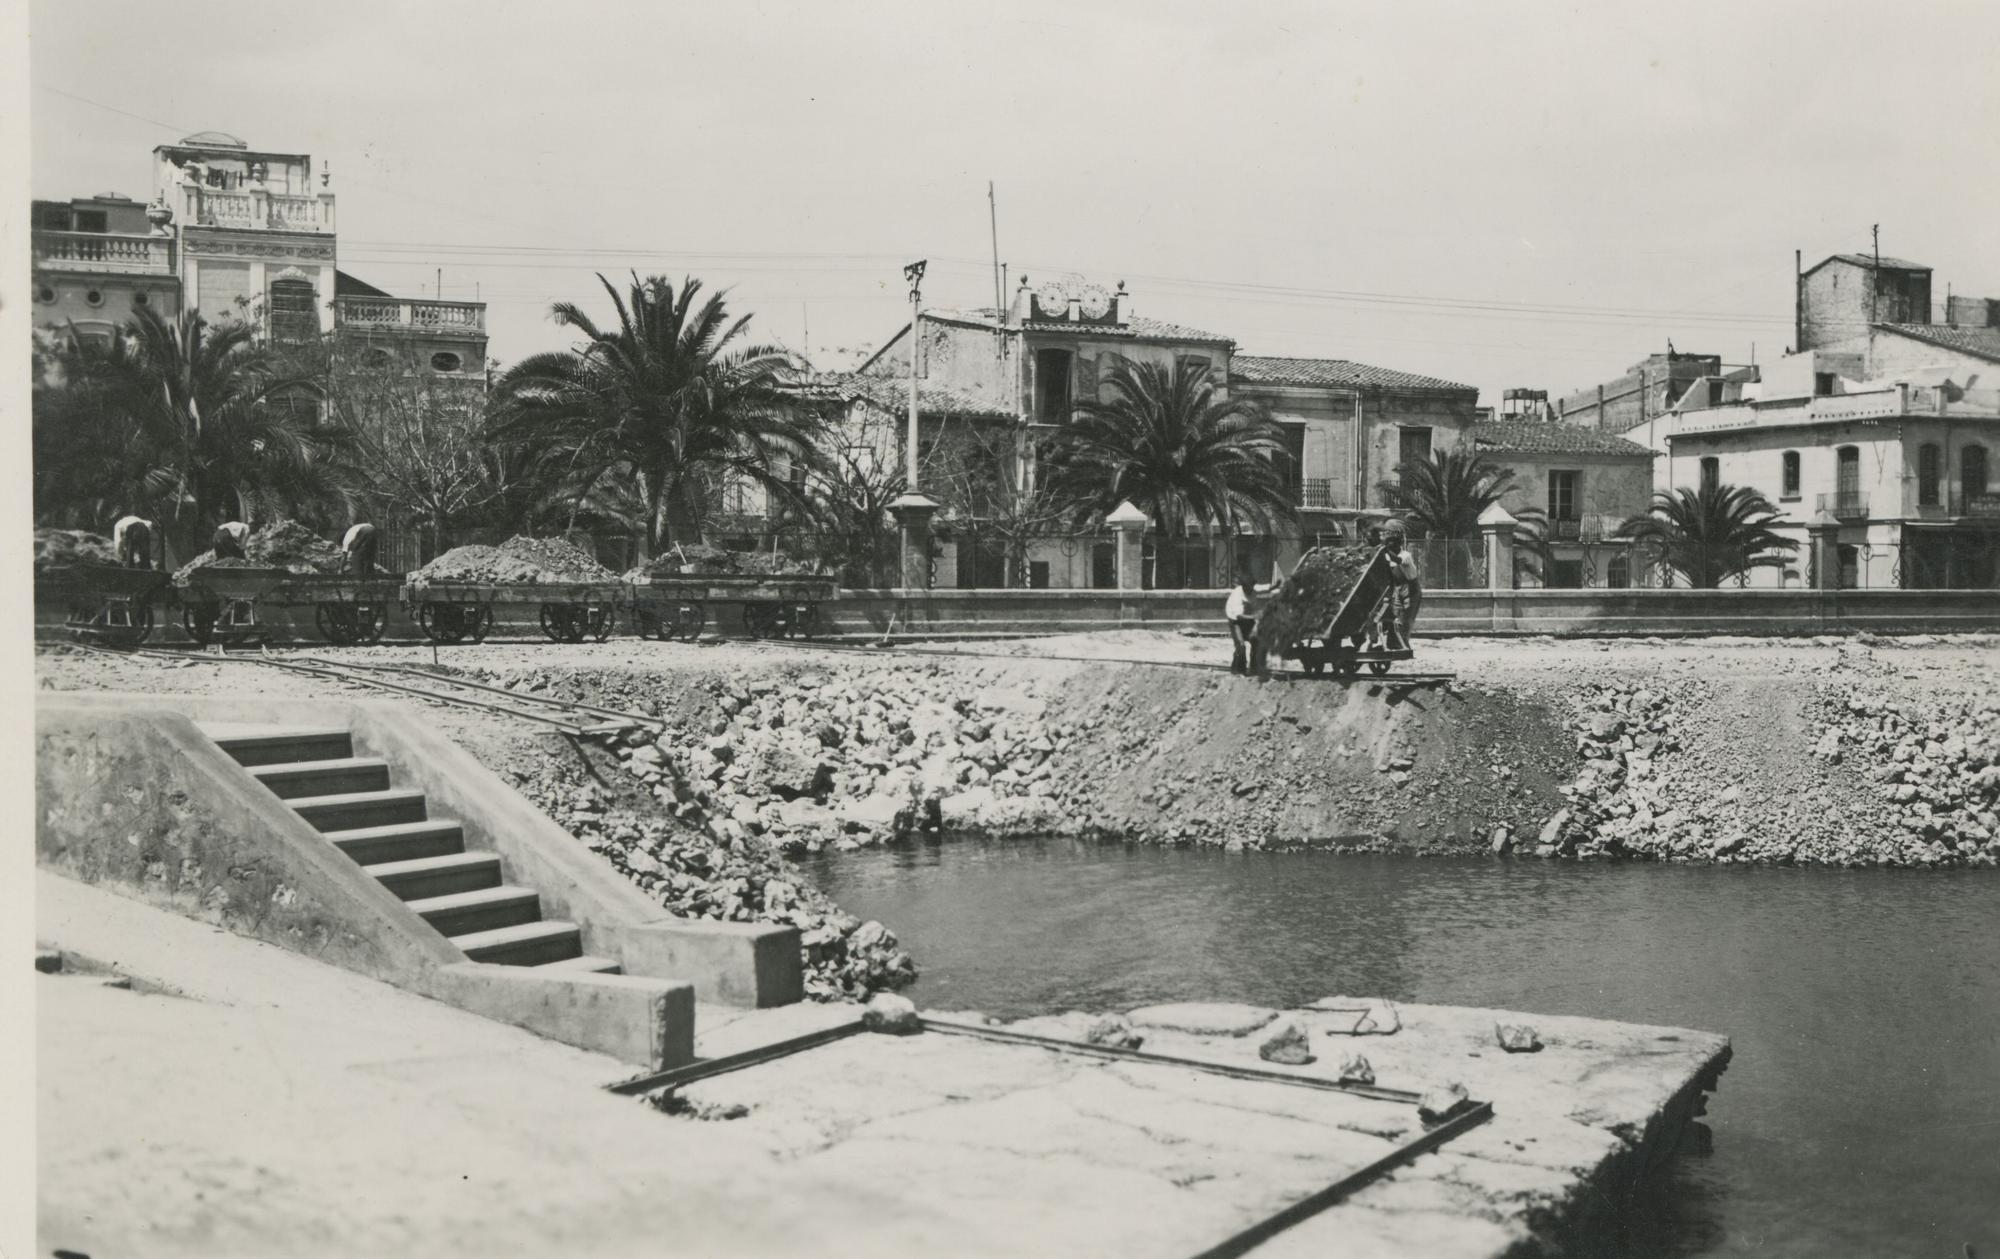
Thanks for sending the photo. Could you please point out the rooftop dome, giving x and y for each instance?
(213, 140)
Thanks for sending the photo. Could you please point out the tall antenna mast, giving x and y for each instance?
(999, 292)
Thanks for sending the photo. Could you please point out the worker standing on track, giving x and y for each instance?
(360, 544)
(132, 540)
(1406, 588)
(228, 540)
(1240, 612)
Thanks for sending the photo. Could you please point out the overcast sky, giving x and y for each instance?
(1498, 194)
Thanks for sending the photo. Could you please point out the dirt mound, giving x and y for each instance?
(1312, 594)
(55, 548)
(517, 561)
(716, 561)
(285, 544)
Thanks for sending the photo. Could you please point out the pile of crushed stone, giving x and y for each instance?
(57, 548)
(285, 544)
(717, 562)
(519, 561)
(1311, 596)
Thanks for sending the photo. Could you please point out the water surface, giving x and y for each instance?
(1860, 1115)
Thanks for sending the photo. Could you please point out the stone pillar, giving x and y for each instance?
(1496, 528)
(913, 513)
(1130, 524)
(1823, 537)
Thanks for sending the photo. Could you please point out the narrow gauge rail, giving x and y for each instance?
(1388, 679)
(569, 717)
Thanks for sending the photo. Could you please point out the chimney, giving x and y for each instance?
(1018, 309)
(1121, 305)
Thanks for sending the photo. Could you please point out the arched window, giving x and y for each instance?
(1927, 475)
(1972, 473)
(1711, 472)
(293, 313)
(1791, 474)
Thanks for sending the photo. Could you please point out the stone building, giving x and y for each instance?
(1842, 296)
(1347, 425)
(98, 259)
(1586, 483)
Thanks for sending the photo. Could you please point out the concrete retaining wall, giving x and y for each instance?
(132, 796)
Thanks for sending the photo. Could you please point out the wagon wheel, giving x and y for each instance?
(335, 622)
(805, 621)
(131, 634)
(198, 619)
(482, 621)
(602, 618)
(688, 621)
(443, 622)
(374, 623)
(761, 619)
(553, 617)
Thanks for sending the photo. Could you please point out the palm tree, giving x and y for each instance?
(1443, 495)
(1707, 535)
(213, 433)
(667, 401)
(1165, 442)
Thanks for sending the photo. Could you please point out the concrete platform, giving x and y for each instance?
(283, 1106)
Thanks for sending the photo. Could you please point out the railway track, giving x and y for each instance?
(569, 717)
(1393, 677)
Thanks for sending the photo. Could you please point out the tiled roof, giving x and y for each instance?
(1136, 326)
(1978, 342)
(1530, 438)
(1868, 260)
(892, 393)
(1257, 369)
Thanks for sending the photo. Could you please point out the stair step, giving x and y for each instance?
(600, 965)
(398, 841)
(275, 745)
(530, 944)
(351, 810)
(487, 909)
(342, 776)
(419, 877)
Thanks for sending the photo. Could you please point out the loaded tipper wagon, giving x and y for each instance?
(677, 605)
(1341, 609)
(457, 596)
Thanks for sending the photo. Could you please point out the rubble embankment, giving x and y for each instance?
(1843, 767)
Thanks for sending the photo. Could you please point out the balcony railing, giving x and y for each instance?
(102, 252)
(1565, 529)
(1316, 493)
(414, 314)
(257, 209)
(1844, 505)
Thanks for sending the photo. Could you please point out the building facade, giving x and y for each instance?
(1650, 388)
(1024, 370)
(238, 233)
(1584, 483)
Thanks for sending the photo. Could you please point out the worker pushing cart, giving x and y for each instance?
(228, 540)
(1397, 613)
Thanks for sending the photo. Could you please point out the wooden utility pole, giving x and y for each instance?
(1875, 284)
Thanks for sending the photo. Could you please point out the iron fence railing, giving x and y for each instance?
(1845, 505)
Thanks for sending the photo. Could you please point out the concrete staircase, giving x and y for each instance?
(423, 860)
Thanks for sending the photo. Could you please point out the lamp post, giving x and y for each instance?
(912, 510)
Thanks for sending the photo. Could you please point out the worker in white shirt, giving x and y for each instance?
(360, 544)
(228, 540)
(1240, 612)
(132, 540)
